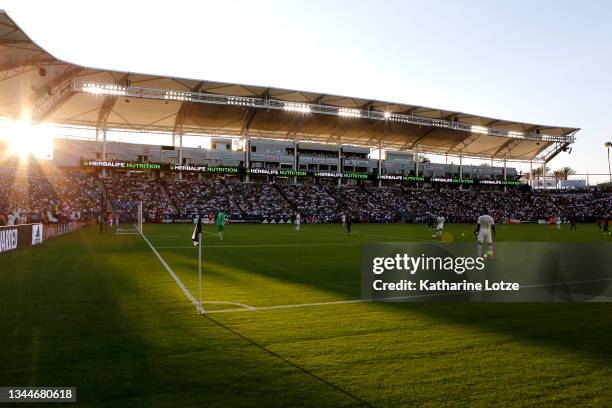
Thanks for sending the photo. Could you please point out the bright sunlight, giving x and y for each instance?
(24, 139)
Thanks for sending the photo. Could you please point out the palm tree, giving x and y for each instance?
(565, 172)
(423, 159)
(608, 145)
(533, 176)
(541, 171)
(558, 176)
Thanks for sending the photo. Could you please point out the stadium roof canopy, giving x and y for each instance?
(47, 89)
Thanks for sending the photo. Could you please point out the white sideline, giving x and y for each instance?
(247, 308)
(401, 238)
(127, 231)
(259, 246)
(251, 308)
(339, 302)
(231, 303)
(171, 272)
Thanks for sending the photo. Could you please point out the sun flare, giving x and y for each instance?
(24, 139)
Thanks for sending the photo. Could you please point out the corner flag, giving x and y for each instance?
(197, 231)
(197, 242)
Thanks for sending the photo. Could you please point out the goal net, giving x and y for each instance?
(128, 217)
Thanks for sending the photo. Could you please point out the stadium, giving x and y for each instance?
(261, 303)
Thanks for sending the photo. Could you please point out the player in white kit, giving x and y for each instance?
(298, 220)
(485, 231)
(439, 227)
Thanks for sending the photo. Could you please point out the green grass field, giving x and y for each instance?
(100, 312)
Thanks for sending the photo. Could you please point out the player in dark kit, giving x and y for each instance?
(349, 221)
(430, 221)
(606, 228)
(572, 220)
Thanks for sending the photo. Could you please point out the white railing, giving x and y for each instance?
(263, 103)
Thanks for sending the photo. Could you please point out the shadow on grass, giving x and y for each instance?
(582, 327)
(116, 327)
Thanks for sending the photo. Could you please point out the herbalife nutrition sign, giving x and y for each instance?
(305, 173)
(125, 165)
(192, 168)
(205, 169)
(121, 165)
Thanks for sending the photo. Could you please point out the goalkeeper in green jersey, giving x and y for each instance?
(220, 223)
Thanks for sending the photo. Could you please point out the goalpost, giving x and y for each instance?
(139, 218)
(128, 218)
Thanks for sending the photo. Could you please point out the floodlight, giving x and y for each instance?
(296, 107)
(177, 96)
(480, 129)
(349, 113)
(103, 89)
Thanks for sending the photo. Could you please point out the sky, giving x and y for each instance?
(545, 62)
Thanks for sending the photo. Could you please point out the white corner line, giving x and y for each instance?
(171, 272)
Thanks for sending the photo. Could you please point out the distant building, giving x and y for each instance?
(573, 184)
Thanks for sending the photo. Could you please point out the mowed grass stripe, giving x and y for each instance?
(528, 343)
(117, 327)
(74, 307)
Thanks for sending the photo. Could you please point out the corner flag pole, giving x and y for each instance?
(200, 272)
(197, 240)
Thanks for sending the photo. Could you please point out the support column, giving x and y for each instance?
(588, 184)
(416, 163)
(180, 155)
(505, 173)
(247, 157)
(104, 146)
(295, 159)
(180, 152)
(531, 173)
(379, 164)
(340, 166)
(460, 170)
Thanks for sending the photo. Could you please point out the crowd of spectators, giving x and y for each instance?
(466, 206)
(124, 192)
(79, 195)
(395, 204)
(192, 197)
(362, 204)
(47, 195)
(312, 202)
(394, 200)
(54, 195)
(261, 201)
